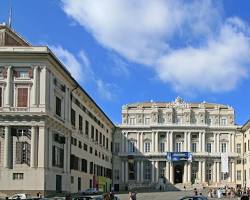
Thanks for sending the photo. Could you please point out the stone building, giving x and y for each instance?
(181, 143)
(53, 136)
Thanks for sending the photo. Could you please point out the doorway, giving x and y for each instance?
(178, 173)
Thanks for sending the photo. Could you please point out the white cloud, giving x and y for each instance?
(80, 69)
(156, 33)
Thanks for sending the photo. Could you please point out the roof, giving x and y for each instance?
(22, 46)
(246, 126)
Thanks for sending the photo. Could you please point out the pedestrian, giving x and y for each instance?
(195, 192)
(106, 196)
(244, 196)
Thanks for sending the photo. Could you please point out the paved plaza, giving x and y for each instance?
(175, 195)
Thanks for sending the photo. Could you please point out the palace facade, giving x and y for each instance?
(164, 144)
(53, 136)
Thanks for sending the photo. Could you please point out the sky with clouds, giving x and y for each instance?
(124, 51)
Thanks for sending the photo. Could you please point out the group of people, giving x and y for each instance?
(229, 192)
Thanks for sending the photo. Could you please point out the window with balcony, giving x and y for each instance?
(238, 148)
(194, 147)
(223, 147)
(147, 147)
(132, 121)
(238, 175)
(224, 121)
(147, 121)
(58, 106)
(57, 156)
(162, 147)
(92, 132)
(131, 146)
(22, 97)
(209, 147)
(178, 147)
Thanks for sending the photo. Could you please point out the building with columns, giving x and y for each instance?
(53, 136)
(176, 143)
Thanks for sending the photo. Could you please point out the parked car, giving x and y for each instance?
(20, 196)
(199, 197)
(91, 191)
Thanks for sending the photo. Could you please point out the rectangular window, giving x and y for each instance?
(147, 121)
(103, 140)
(57, 156)
(22, 97)
(178, 147)
(132, 120)
(117, 174)
(223, 148)
(58, 106)
(238, 148)
(80, 122)
(131, 146)
(85, 147)
(147, 147)
(107, 143)
(86, 127)
(73, 117)
(90, 150)
(84, 166)
(238, 175)
(22, 153)
(92, 132)
(223, 121)
(100, 138)
(17, 176)
(147, 170)
(194, 147)
(96, 135)
(72, 179)
(162, 147)
(209, 147)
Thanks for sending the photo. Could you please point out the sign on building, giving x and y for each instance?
(179, 156)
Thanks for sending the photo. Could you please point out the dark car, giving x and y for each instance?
(194, 198)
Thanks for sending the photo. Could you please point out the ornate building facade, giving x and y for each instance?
(161, 144)
(53, 136)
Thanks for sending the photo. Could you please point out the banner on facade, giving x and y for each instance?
(179, 156)
(224, 162)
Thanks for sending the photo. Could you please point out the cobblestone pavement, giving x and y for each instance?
(162, 195)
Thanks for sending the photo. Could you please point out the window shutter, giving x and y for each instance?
(31, 73)
(19, 149)
(22, 100)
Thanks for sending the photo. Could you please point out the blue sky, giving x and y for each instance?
(132, 50)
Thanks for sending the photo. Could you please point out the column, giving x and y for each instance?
(142, 144)
(157, 142)
(185, 173)
(44, 87)
(153, 171)
(218, 172)
(214, 144)
(142, 174)
(33, 152)
(138, 142)
(7, 151)
(189, 172)
(230, 142)
(157, 171)
(138, 171)
(122, 141)
(153, 141)
(35, 86)
(233, 172)
(218, 142)
(126, 171)
(44, 149)
(167, 171)
(171, 141)
(200, 141)
(214, 172)
(204, 142)
(8, 87)
(188, 141)
(199, 172)
(123, 175)
(203, 171)
(67, 154)
(185, 142)
(233, 143)
(66, 105)
(166, 142)
(171, 174)
(126, 142)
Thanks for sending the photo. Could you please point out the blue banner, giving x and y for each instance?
(179, 156)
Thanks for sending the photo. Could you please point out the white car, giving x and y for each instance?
(19, 196)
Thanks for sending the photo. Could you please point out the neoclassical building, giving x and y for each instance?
(162, 144)
(53, 136)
